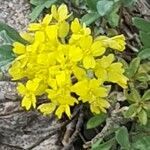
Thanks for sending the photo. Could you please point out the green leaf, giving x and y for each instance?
(39, 8)
(49, 3)
(144, 54)
(141, 143)
(96, 121)
(146, 96)
(128, 3)
(131, 112)
(134, 96)
(133, 67)
(104, 7)
(92, 4)
(146, 106)
(37, 2)
(36, 12)
(142, 117)
(105, 146)
(145, 38)
(12, 33)
(6, 54)
(6, 40)
(144, 67)
(122, 137)
(113, 19)
(90, 18)
(97, 143)
(141, 24)
(142, 77)
(142, 128)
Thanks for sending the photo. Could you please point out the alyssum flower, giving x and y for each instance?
(57, 61)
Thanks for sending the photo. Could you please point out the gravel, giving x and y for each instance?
(15, 13)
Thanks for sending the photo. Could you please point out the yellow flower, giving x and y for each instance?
(106, 70)
(16, 71)
(89, 90)
(41, 25)
(78, 31)
(117, 42)
(99, 105)
(61, 109)
(27, 36)
(47, 108)
(77, 28)
(62, 98)
(91, 49)
(28, 92)
(61, 13)
(117, 75)
(65, 62)
(18, 48)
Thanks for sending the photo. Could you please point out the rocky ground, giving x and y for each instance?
(15, 13)
(21, 130)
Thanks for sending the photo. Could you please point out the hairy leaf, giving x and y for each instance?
(143, 117)
(39, 8)
(12, 33)
(90, 18)
(145, 38)
(142, 24)
(145, 53)
(96, 121)
(146, 96)
(133, 67)
(122, 137)
(6, 54)
(104, 146)
(104, 7)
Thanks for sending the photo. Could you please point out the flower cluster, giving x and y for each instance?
(65, 62)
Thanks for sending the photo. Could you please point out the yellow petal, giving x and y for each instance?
(75, 26)
(117, 43)
(51, 32)
(19, 48)
(39, 36)
(16, 71)
(33, 100)
(106, 61)
(61, 79)
(47, 108)
(89, 62)
(21, 89)
(101, 73)
(97, 49)
(54, 12)
(75, 54)
(63, 29)
(60, 110)
(81, 89)
(26, 102)
(62, 12)
(27, 36)
(100, 92)
(67, 111)
(94, 109)
(52, 83)
(34, 26)
(47, 19)
(79, 73)
(86, 42)
(32, 85)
